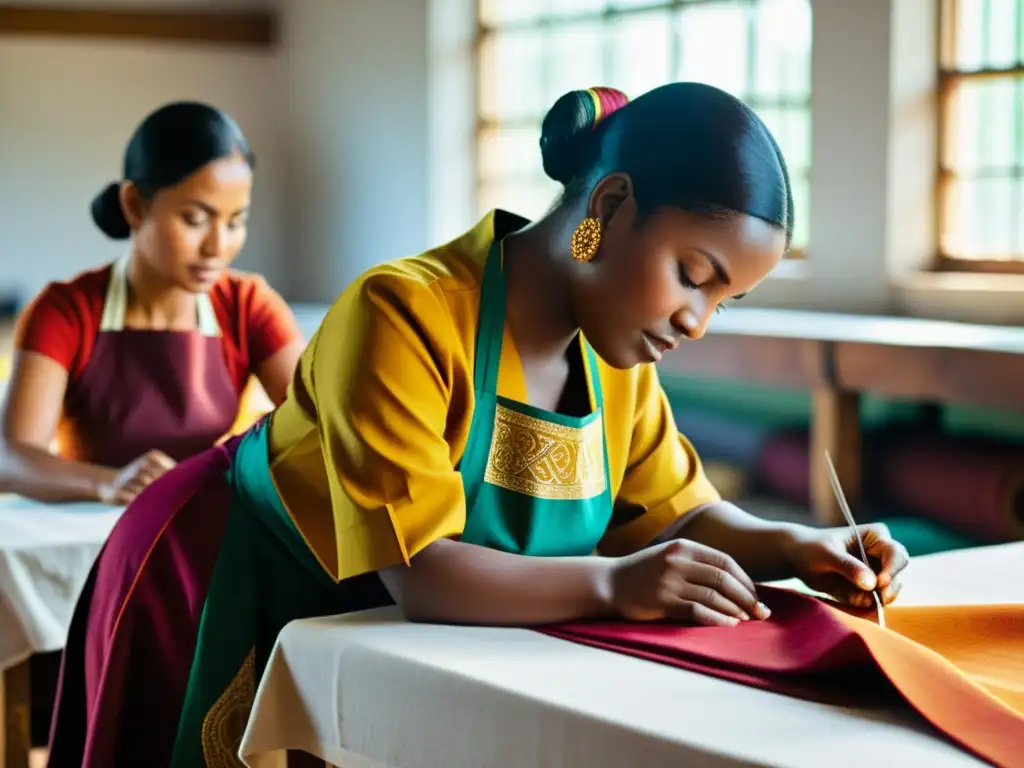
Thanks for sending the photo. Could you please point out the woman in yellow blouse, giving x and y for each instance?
(477, 433)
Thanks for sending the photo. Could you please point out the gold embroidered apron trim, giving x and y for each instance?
(224, 725)
(545, 460)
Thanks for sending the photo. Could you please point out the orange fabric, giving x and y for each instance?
(961, 667)
(63, 320)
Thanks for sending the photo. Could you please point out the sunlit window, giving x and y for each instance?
(982, 134)
(533, 51)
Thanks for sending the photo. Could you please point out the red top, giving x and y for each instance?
(63, 321)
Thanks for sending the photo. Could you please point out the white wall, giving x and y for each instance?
(355, 98)
(67, 110)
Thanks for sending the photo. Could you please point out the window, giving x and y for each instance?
(533, 51)
(981, 136)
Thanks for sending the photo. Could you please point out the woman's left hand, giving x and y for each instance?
(829, 561)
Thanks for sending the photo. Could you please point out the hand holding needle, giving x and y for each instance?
(841, 498)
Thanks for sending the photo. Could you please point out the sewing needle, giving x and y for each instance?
(841, 498)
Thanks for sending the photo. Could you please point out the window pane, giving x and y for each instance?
(511, 66)
(511, 152)
(713, 45)
(801, 210)
(573, 7)
(782, 50)
(573, 59)
(988, 34)
(640, 52)
(523, 71)
(1001, 37)
(531, 199)
(759, 50)
(630, 3)
(970, 35)
(979, 218)
(498, 12)
(984, 125)
(792, 130)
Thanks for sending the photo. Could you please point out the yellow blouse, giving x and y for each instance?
(364, 449)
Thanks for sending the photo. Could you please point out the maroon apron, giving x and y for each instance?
(141, 390)
(148, 390)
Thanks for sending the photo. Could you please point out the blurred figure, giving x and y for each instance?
(139, 364)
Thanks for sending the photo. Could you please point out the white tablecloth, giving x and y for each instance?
(371, 691)
(46, 552)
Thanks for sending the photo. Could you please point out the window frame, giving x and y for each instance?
(483, 32)
(949, 78)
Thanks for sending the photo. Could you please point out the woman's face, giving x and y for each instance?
(190, 233)
(655, 283)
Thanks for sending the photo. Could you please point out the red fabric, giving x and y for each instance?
(62, 322)
(960, 667)
(971, 485)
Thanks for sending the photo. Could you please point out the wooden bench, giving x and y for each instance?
(838, 358)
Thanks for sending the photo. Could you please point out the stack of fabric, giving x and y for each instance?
(936, 491)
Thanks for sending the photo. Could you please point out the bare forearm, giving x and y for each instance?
(38, 474)
(760, 547)
(455, 583)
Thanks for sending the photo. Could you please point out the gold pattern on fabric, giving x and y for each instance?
(224, 724)
(546, 460)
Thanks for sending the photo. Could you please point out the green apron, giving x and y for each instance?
(536, 483)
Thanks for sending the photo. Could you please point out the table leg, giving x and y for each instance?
(835, 427)
(15, 735)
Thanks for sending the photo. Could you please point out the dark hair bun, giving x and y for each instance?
(108, 214)
(567, 142)
(170, 145)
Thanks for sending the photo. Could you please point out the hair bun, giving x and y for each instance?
(108, 214)
(566, 140)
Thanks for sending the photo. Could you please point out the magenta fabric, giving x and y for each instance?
(974, 486)
(140, 612)
(804, 651)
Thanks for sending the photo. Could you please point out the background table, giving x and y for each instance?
(371, 691)
(46, 552)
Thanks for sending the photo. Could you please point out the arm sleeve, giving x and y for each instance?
(51, 325)
(383, 376)
(664, 477)
(269, 322)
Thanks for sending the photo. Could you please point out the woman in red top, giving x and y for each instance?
(141, 363)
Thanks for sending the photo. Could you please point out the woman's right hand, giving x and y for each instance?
(687, 581)
(127, 483)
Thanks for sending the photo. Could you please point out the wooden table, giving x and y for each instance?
(840, 357)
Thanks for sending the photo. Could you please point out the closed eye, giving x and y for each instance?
(722, 306)
(685, 278)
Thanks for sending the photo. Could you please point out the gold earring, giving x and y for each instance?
(586, 239)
